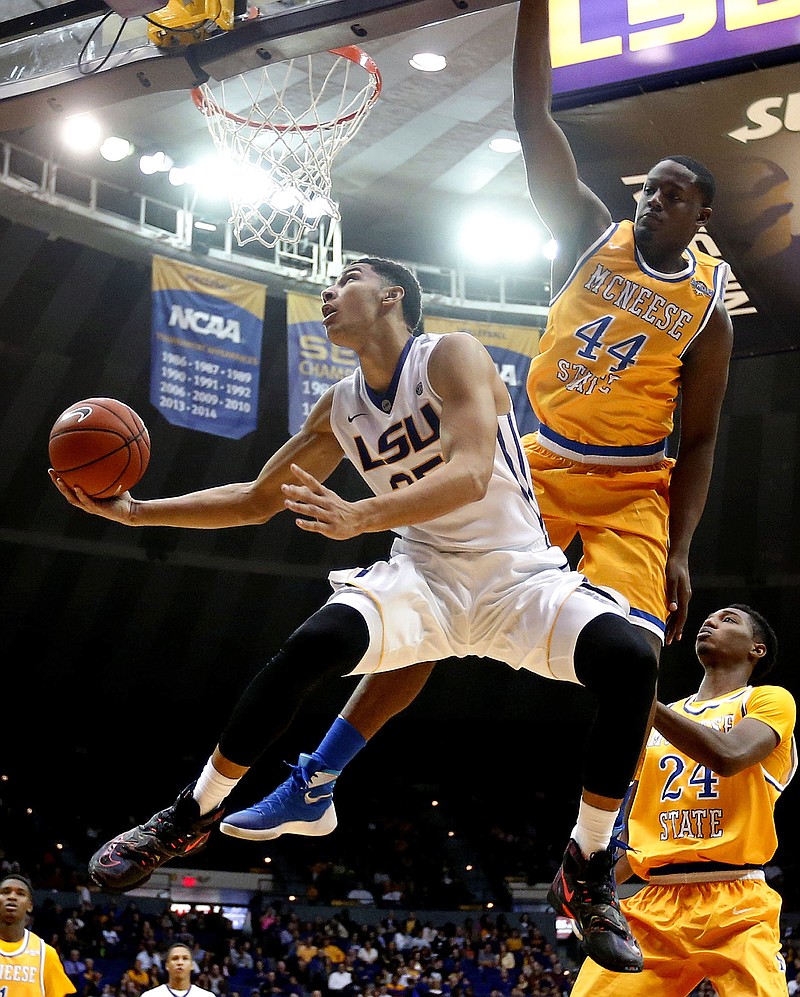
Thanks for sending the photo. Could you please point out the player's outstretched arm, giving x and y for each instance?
(238, 504)
(704, 377)
(572, 212)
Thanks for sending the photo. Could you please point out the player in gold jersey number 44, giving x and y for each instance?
(701, 827)
(29, 967)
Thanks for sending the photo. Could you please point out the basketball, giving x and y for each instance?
(101, 445)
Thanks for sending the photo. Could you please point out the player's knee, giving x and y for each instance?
(612, 654)
(332, 641)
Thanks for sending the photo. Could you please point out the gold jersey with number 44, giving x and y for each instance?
(611, 353)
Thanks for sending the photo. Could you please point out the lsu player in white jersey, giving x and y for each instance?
(701, 827)
(637, 321)
(29, 967)
(429, 425)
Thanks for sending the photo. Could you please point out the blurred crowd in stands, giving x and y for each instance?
(442, 860)
(112, 948)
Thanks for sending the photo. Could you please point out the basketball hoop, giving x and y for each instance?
(295, 118)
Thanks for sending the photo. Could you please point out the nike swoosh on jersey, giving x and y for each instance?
(351, 417)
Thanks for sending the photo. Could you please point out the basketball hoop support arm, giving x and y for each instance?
(181, 23)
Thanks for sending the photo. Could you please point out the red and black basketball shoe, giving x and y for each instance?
(584, 890)
(131, 858)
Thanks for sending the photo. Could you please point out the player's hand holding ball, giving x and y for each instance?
(99, 449)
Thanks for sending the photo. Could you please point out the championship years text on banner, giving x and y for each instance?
(205, 348)
(314, 364)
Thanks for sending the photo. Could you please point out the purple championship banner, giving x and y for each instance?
(314, 364)
(596, 45)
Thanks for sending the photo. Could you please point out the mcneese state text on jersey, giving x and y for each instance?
(617, 331)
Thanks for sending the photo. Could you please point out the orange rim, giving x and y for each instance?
(208, 105)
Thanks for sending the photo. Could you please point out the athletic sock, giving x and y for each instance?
(339, 746)
(212, 788)
(592, 832)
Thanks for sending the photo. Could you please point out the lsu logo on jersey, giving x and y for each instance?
(402, 439)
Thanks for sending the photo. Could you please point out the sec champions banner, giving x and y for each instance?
(511, 347)
(314, 364)
(205, 348)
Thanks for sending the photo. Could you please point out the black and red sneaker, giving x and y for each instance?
(584, 890)
(131, 858)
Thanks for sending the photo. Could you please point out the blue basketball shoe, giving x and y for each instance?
(303, 804)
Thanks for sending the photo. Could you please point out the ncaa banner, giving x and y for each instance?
(314, 363)
(512, 347)
(205, 348)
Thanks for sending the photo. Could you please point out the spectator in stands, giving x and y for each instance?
(111, 939)
(74, 925)
(242, 956)
(487, 959)
(368, 954)
(361, 895)
(435, 987)
(506, 960)
(75, 967)
(270, 987)
(90, 980)
(136, 978)
(395, 988)
(340, 980)
(392, 894)
(305, 951)
(332, 951)
(148, 956)
(217, 980)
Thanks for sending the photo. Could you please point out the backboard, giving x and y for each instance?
(41, 47)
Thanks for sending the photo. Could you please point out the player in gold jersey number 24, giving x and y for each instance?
(701, 826)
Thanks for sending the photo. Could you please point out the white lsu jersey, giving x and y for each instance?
(394, 440)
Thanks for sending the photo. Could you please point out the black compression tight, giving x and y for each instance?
(330, 643)
(614, 662)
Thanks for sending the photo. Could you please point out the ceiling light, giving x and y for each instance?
(205, 226)
(493, 239)
(159, 162)
(505, 145)
(180, 175)
(115, 149)
(428, 62)
(550, 250)
(82, 132)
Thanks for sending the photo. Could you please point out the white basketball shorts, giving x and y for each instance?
(511, 605)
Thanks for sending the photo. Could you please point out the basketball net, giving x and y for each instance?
(280, 128)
